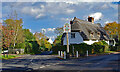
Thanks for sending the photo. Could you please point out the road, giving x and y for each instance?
(51, 62)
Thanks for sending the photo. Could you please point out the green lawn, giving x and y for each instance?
(9, 56)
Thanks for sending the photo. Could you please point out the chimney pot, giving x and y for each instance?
(91, 19)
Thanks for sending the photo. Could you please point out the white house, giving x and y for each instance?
(50, 41)
(85, 32)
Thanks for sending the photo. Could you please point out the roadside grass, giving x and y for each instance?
(107, 52)
(9, 56)
(110, 51)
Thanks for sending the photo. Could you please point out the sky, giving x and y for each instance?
(38, 16)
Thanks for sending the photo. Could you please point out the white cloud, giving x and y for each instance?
(36, 12)
(107, 22)
(48, 9)
(66, 19)
(43, 30)
(96, 15)
(70, 11)
(40, 15)
(50, 29)
(59, 0)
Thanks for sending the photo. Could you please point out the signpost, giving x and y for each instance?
(67, 28)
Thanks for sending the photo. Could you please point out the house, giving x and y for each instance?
(85, 32)
(49, 40)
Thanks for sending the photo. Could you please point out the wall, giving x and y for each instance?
(77, 40)
(90, 42)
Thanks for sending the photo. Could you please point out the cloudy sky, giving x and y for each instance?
(38, 16)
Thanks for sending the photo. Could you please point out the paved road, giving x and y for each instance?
(51, 62)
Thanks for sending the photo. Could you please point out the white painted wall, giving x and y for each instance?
(90, 42)
(77, 40)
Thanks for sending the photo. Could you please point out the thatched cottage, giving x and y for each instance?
(85, 32)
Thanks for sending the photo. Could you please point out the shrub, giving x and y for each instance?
(106, 46)
(20, 45)
(100, 46)
(81, 48)
(28, 48)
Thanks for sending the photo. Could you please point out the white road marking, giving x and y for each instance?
(47, 65)
(42, 66)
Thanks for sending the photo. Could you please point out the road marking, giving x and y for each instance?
(57, 63)
(47, 65)
(42, 66)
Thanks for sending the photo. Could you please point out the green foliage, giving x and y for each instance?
(28, 48)
(28, 35)
(9, 56)
(59, 30)
(58, 40)
(100, 47)
(20, 45)
(81, 48)
(35, 48)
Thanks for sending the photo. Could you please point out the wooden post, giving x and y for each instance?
(67, 44)
(64, 55)
(77, 54)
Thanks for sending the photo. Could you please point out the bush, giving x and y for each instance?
(113, 48)
(97, 47)
(20, 45)
(28, 48)
(81, 48)
(100, 47)
(106, 46)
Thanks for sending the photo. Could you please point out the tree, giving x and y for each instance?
(14, 26)
(28, 35)
(40, 38)
(42, 41)
(59, 30)
(58, 40)
(112, 29)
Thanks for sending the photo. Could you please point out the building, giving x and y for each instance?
(85, 32)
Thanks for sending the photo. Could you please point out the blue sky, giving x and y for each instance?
(50, 15)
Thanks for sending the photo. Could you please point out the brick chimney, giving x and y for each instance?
(91, 19)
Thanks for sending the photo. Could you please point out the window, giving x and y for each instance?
(72, 35)
(92, 35)
(98, 34)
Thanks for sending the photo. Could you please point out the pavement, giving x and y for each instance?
(109, 62)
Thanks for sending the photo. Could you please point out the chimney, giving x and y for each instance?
(71, 22)
(75, 17)
(91, 19)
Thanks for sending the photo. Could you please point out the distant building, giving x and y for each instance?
(50, 40)
(85, 32)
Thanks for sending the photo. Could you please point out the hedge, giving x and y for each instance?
(81, 48)
(97, 47)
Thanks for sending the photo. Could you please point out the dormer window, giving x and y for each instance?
(92, 35)
(98, 34)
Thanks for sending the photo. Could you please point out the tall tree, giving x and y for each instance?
(14, 25)
(112, 29)
(59, 30)
(40, 38)
(28, 35)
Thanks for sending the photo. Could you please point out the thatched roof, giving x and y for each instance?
(88, 30)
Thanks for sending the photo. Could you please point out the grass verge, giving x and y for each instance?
(8, 57)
